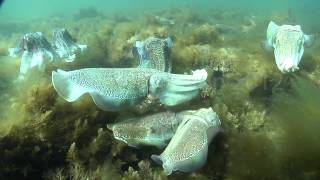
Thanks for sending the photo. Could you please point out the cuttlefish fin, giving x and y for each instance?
(67, 89)
(107, 103)
(271, 31)
(265, 45)
(159, 159)
(15, 52)
(169, 42)
(309, 40)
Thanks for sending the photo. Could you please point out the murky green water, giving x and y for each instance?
(270, 120)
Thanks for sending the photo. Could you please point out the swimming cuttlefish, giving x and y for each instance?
(190, 131)
(154, 53)
(120, 88)
(288, 44)
(36, 52)
(153, 130)
(64, 44)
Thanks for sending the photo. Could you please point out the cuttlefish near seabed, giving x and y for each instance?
(148, 130)
(188, 148)
(189, 132)
(154, 53)
(36, 51)
(65, 45)
(288, 44)
(114, 89)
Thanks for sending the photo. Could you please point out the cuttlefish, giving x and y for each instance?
(36, 52)
(65, 45)
(120, 88)
(190, 132)
(148, 130)
(188, 149)
(154, 53)
(288, 44)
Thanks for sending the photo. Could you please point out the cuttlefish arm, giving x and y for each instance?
(188, 148)
(271, 31)
(175, 89)
(119, 88)
(309, 40)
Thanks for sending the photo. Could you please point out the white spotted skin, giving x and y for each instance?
(111, 89)
(188, 148)
(114, 89)
(149, 130)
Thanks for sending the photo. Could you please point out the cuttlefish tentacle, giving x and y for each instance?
(188, 148)
(119, 88)
(288, 44)
(177, 89)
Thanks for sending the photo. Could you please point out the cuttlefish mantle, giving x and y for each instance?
(288, 44)
(148, 130)
(188, 148)
(119, 88)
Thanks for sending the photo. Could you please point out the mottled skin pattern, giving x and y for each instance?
(288, 43)
(125, 83)
(188, 148)
(156, 54)
(156, 129)
(119, 88)
(65, 45)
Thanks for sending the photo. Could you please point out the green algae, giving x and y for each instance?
(270, 123)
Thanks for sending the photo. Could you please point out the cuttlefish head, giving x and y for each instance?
(288, 44)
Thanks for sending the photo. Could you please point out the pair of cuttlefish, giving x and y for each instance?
(36, 51)
(186, 135)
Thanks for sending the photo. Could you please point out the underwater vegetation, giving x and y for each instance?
(269, 119)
